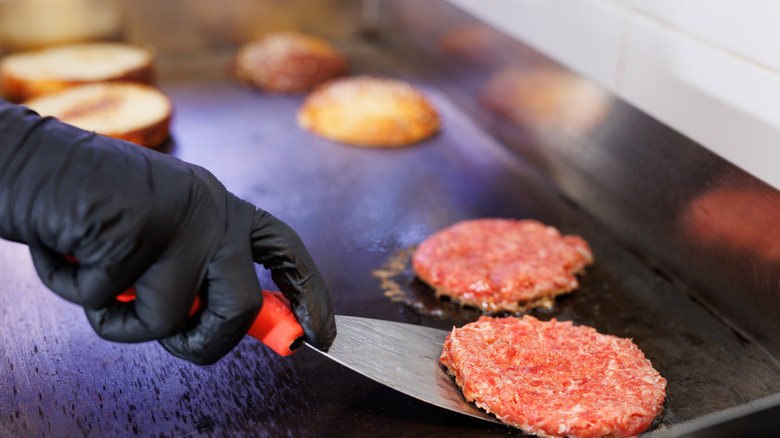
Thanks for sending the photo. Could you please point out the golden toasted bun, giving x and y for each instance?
(369, 111)
(287, 63)
(128, 111)
(29, 74)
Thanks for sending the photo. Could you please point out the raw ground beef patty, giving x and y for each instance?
(554, 378)
(501, 264)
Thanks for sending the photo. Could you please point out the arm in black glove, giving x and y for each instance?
(133, 216)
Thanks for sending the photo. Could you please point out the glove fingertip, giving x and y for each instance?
(101, 322)
(211, 338)
(319, 328)
(178, 345)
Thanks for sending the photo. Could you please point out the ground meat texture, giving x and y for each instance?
(554, 378)
(501, 264)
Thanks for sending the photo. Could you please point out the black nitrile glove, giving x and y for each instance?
(133, 216)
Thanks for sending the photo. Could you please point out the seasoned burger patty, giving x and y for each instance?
(287, 62)
(554, 378)
(501, 264)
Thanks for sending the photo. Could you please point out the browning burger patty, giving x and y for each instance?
(501, 264)
(287, 62)
(554, 378)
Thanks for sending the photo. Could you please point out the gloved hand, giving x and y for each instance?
(133, 216)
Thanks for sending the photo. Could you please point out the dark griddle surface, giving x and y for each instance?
(355, 209)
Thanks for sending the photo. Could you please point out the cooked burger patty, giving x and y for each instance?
(287, 62)
(554, 378)
(501, 264)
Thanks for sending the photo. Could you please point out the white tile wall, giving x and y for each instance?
(730, 106)
(556, 28)
(710, 69)
(747, 28)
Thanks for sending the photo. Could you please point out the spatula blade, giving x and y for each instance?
(402, 356)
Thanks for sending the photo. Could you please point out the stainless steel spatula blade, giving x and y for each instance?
(404, 357)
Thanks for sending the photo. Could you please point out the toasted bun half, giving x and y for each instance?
(29, 74)
(128, 111)
(369, 111)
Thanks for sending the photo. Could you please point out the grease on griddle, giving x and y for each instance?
(399, 283)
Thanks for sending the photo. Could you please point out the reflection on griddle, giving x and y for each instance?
(477, 43)
(546, 98)
(735, 222)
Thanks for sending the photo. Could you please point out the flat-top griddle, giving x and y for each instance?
(361, 211)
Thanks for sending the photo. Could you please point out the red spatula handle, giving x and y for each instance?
(275, 325)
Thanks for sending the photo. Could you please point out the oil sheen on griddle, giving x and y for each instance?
(401, 285)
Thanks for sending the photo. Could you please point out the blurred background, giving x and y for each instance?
(709, 69)
(175, 25)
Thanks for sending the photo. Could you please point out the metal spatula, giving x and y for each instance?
(404, 357)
